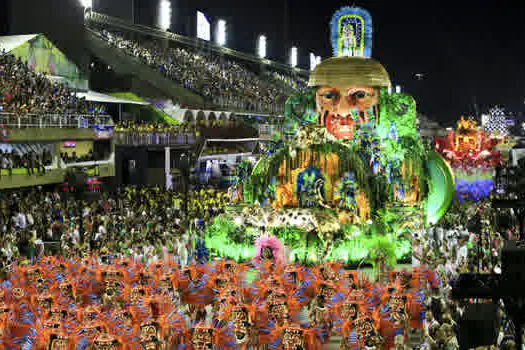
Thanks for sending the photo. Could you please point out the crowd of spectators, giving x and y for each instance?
(23, 91)
(32, 161)
(294, 83)
(219, 80)
(144, 127)
(450, 252)
(140, 132)
(146, 222)
(138, 220)
(77, 158)
(453, 249)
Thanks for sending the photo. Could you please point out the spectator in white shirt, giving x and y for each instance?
(462, 252)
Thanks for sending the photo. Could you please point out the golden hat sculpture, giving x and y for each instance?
(347, 71)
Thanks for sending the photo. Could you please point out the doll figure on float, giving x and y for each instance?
(269, 251)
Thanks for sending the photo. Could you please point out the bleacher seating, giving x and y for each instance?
(220, 80)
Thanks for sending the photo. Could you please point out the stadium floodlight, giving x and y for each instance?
(87, 3)
(313, 61)
(390, 89)
(293, 57)
(398, 89)
(261, 47)
(221, 32)
(203, 27)
(165, 14)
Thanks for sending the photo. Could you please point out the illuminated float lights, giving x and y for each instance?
(219, 241)
(474, 190)
(497, 122)
(350, 252)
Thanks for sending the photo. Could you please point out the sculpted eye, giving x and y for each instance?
(361, 94)
(329, 95)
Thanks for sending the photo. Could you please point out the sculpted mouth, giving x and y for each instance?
(341, 127)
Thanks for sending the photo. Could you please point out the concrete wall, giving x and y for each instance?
(49, 134)
(51, 177)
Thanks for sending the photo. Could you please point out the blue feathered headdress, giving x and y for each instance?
(201, 252)
(351, 32)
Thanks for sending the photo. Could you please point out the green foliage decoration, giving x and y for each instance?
(399, 109)
(292, 237)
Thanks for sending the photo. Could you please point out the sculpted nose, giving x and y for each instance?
(346, 104)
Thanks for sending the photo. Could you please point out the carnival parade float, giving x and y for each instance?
(472, 153)
(349, 176)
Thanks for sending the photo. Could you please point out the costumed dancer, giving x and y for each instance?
(268, 250)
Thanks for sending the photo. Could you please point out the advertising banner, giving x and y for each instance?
(103, 132)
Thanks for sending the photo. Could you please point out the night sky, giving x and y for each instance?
(469, 50)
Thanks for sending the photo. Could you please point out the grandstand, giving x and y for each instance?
(188, 95)
(224, 79)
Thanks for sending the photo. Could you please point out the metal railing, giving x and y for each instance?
(76, 121)
(152, 139)
(243, 106)
(267, 131)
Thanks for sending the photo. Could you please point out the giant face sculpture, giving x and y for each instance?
(342, 108)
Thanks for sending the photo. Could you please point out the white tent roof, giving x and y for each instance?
(103, 98)
(11, 42)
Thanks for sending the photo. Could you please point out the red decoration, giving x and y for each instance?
(4, 132)
(468, 147)
(342, 128)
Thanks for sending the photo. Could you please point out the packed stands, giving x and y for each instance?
(219, 80)
(142, 127)
(23, 91)
(134, 216)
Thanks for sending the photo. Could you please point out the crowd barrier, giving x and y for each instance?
(139, 139)
(76, 121)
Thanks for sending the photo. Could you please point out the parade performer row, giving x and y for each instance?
(82, 303)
